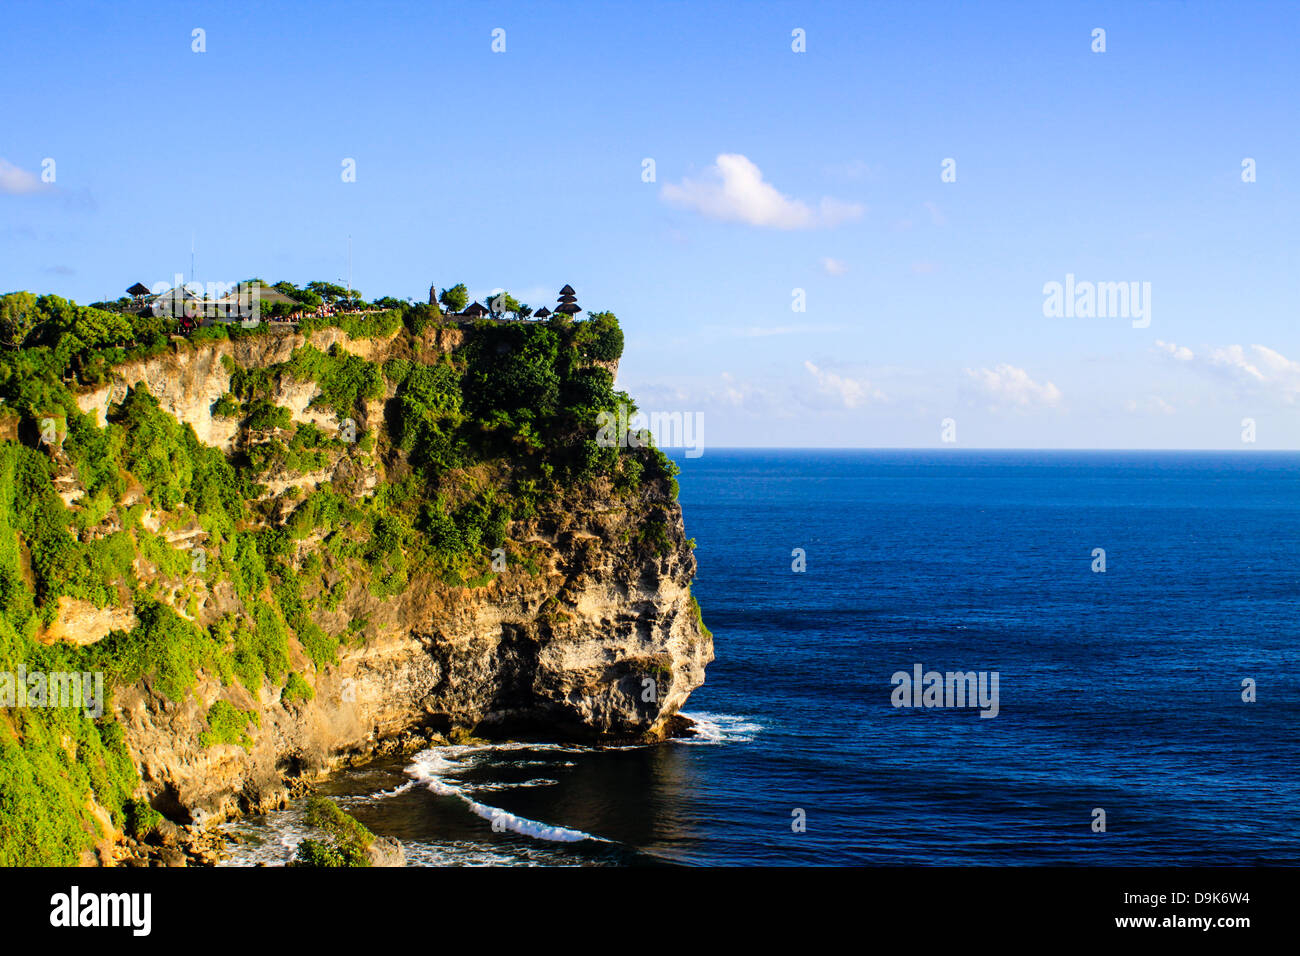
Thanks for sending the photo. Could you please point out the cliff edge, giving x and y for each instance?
(289, 548)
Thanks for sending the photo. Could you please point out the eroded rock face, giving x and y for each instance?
(602, 645)
(80, 622)
(188, 381)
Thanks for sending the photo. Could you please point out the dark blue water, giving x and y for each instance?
(1119, 690)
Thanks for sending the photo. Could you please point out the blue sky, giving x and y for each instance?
(775, 171)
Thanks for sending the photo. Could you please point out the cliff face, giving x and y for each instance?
(187, 382)
(592, 635)
(600, 646)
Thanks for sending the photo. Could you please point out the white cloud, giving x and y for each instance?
(1233, 358)
(1180, 352)
(1261, 369)
(850, 392)
(733, 190)
(936, 216)
(18, 182)
(1008, 385)
(834, 267)
(1255, 369)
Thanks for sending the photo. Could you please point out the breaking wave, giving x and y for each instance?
(436, 769)
(720, 728)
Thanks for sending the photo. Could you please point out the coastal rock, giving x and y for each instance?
(385, 851)
(590, 633)
(603, 644)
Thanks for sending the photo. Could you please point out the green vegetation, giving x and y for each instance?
(455, 299)
(698, 615)
(297, 690)
(140, 819)
(227, 724)
(346, 840)
(343, 378)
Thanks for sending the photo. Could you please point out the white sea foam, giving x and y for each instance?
(271, 843)
(396, 791)
(466, 853)
(720, 728)
(538, 782)
(274, 841)
(437, 767)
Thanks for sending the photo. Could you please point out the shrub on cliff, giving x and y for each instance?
(163, 646)
(344, 379)
(227, 724)
(52, 759)
(296, 690)
(264, 416)
(428, 414)
(139, 819)
(347, 840)
(512, 368)
(599, 338)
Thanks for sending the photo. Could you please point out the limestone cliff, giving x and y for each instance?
(589, 630)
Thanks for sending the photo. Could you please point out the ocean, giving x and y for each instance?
(1121, 735)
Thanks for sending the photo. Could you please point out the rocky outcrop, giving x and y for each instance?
(190, 379)
(603, 644)
(595, 637)
(80, 622)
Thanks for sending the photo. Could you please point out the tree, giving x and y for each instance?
(18, 316)
(329, 291)
(600, 338)
(456, 298)
(502, 303)
(512, 368)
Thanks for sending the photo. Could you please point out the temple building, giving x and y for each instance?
(568, 300)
